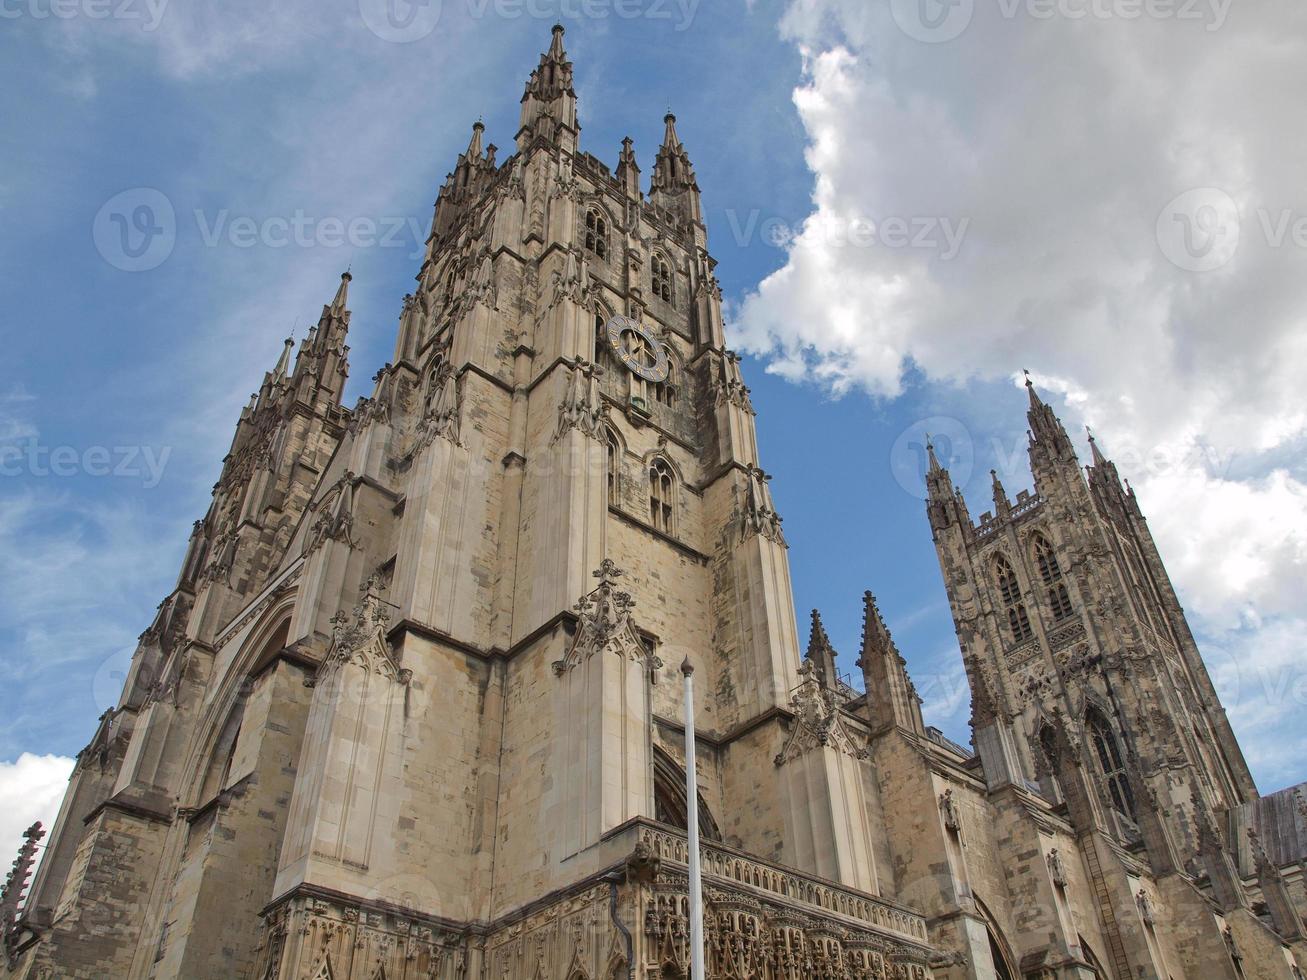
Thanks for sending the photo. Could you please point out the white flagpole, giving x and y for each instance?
(692, 823)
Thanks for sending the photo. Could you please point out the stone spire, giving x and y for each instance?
(674, 185)
(549, 103)
(821, 653)
(1049, 441)
(281, 371)
(322, 366)
(892, 700)
(944, 504)
(474, 148)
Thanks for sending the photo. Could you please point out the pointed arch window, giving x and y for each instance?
(665, 391)
(660, 277)
(1009, 590)
(1050, 571)
(670, 800)
(614, 463)
(596, 232)
(1107, 753)
(662, 496)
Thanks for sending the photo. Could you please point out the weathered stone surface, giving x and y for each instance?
(413, 709)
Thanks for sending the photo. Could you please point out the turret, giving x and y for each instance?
(1049, 443)
(1002, 506)
(674, 186)
(322, 366)
(628, 171)
(549, 103)
(464, 185)
(944, 504)
(892, 700)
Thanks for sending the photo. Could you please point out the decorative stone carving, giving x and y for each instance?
(606, 626)
(1057, 868)
(755, 515)
(817, 721)
(361, 639)
(443, 415)
(335, 520)
(582, 407)
(1147, 911)
(948, 808)
(482, 288)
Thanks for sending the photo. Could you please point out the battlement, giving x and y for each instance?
(1027, 503)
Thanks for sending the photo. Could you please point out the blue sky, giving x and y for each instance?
(1031, 141)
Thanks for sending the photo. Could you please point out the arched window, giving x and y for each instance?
(1107, 753)
(662, 496)
(1000, 951)
(1009, 591)
(660, 277)
(1050, 571)
(670, 799)
(665, 390)
(596, 232)
(614, 472)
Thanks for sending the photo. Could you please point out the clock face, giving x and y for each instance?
(637, 348)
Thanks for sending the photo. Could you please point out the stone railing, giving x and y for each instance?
(725, 865)
(1026, 503)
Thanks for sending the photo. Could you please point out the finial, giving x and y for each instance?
(687, 668)
(1029, 383)
(560, 29)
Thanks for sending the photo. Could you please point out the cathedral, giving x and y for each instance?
(413, 709)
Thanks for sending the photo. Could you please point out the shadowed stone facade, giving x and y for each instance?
(407, 715)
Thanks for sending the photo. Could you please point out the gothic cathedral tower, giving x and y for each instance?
(413, 709)
(1080, 658)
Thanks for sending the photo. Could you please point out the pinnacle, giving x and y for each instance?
(341, 302)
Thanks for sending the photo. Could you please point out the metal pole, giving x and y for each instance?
(692, 823)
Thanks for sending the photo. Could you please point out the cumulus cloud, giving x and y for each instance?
(1132, 229)
(31, 788)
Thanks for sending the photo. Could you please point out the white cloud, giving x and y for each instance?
(31, 789)
(1059, 145)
